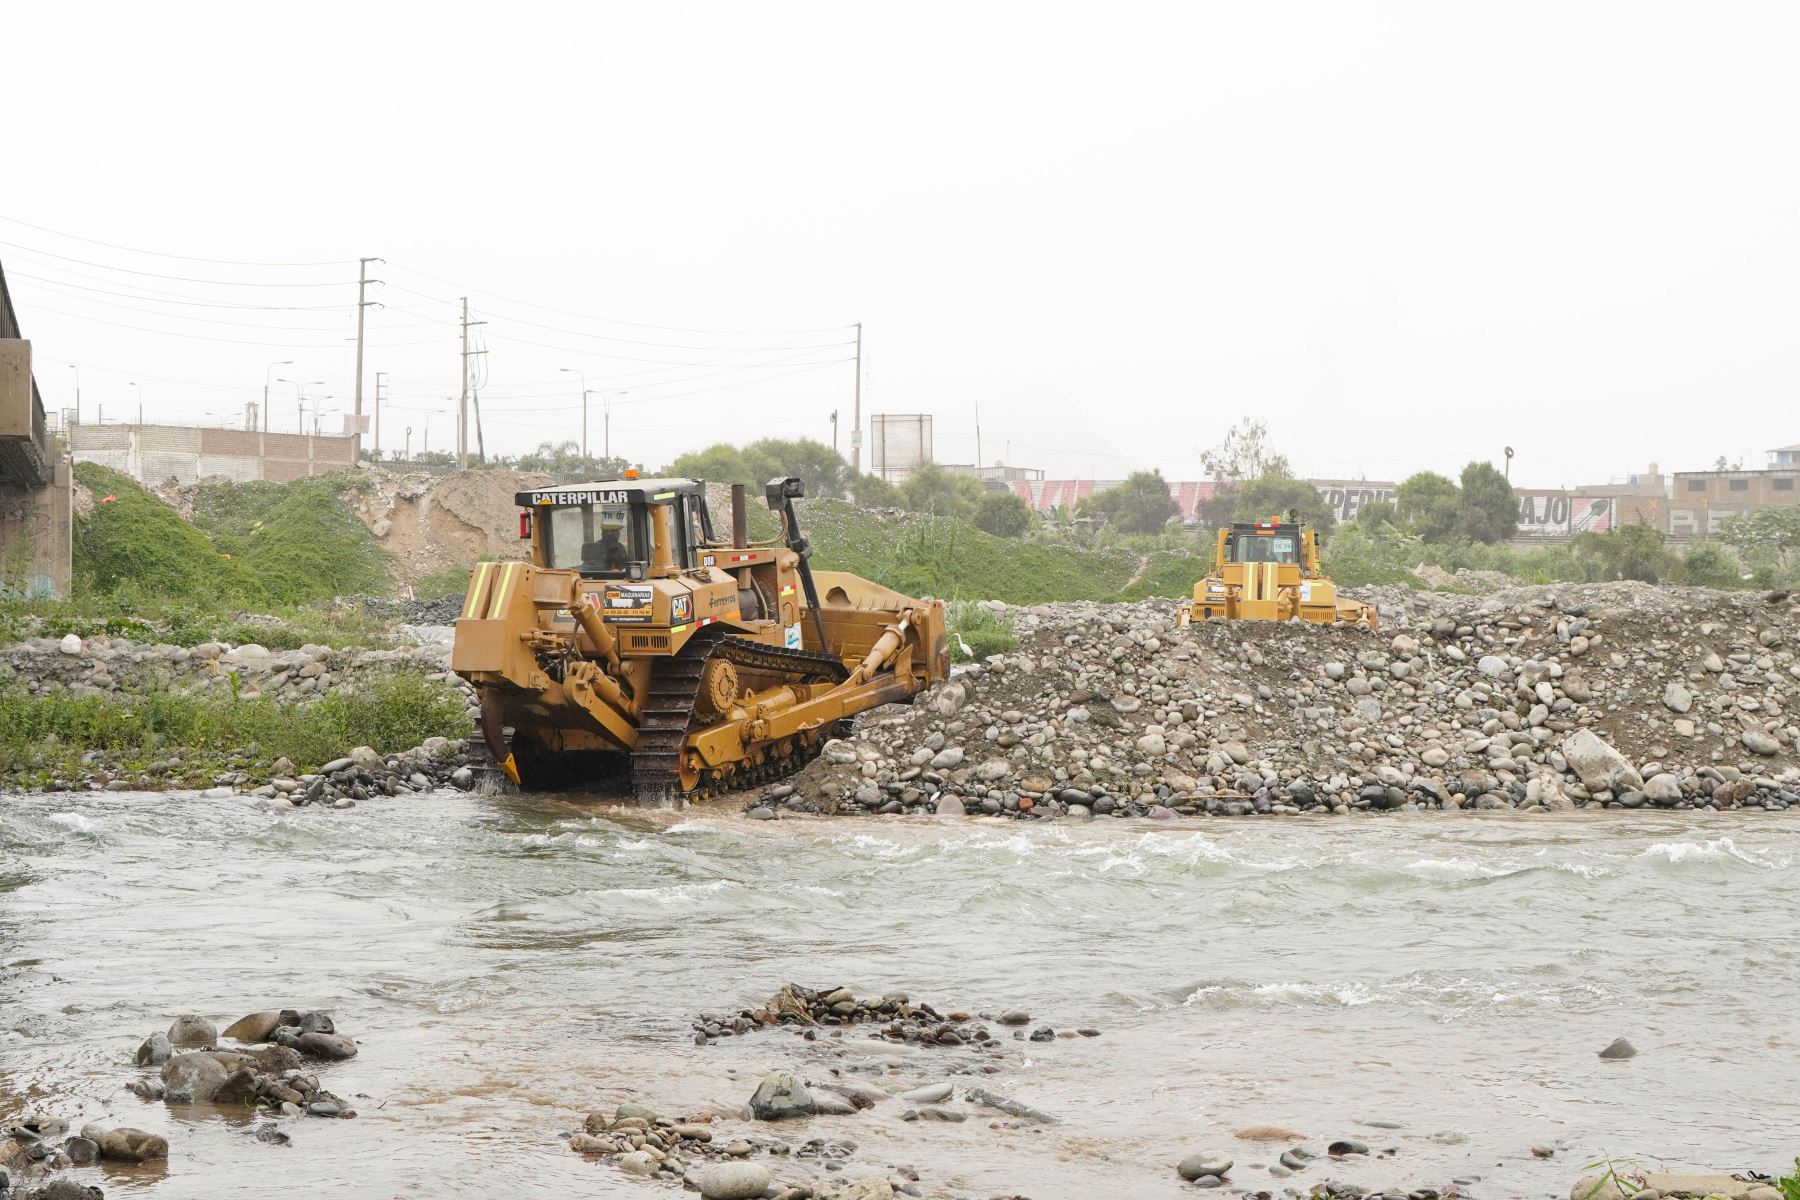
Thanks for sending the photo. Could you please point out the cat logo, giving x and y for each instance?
(681, 609)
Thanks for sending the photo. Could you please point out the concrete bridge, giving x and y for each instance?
(35, 482)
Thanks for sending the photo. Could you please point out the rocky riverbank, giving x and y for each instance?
(129, 716)
(264, 1065)
(1546, 699)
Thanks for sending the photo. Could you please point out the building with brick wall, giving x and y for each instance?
(1705, 500)
(155, 454)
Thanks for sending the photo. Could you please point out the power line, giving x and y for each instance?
(235, 341)
(222, 262)
(178, 316)
(155, 275)
(614, 321)
(601, 337)
(157, 296)
(694, 392)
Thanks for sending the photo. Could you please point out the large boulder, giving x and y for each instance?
(1598, 765)
(730, 1181)
(191, 1030)
(780, 1096)
(254, 1028)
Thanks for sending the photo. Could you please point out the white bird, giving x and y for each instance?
(964, 647)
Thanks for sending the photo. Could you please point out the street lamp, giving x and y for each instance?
(286, 362)
(140, 395)
(606, 419)
(300, 400)
(582, 375)
(319, 412)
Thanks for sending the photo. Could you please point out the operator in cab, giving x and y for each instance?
(608, 554)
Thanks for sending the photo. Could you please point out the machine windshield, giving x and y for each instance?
(595, 539)
(1275, 548)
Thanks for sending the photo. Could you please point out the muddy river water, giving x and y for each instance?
(509, 963)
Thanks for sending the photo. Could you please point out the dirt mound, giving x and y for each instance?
(1549, 698)
(432, 523)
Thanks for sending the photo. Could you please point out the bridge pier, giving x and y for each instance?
(36, 534)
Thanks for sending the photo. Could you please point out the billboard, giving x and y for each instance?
(1562, 514)
(899, 444)
(1346, 497)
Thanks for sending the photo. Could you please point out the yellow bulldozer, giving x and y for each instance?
(1270, 571)
(635, 637)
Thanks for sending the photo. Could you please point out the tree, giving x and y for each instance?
(823, 469)
(933, 489)
(1281, 495)
(1710, 565)
(1141, 504)
(872, 491)
(719, 463)
(1486, 511)
(1776, 529)
(1427, 503)
(1377, 513)
(1003, 514)
(568, 464)
(1244, 454)
(1630, 552)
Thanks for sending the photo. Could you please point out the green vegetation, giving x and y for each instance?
(1790, 1184)
(1141, 504)
(45, 736)
(185, 622)
(252, 543)
(976, 632)
(451, 581)
(1003, 514)
(1358, 555)
(133, 545)
(950, 558)
(299, 540)
(826, 473)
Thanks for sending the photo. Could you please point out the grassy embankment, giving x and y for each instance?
(183, 739)
(259, 563)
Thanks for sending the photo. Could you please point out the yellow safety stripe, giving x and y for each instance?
(482, 570)
(502, 591)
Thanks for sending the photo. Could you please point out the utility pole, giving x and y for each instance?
(978, 459)
(380, 382)
(362, 307)
(856, 425)
(834, 448)
(462, 412)
(268, 371)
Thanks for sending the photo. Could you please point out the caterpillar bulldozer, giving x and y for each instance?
(634, 637)
(1270, 571)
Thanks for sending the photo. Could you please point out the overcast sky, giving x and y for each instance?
(1404, 235)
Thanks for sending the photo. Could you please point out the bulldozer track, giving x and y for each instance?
(669, 715)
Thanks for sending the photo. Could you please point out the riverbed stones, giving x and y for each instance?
(255, 1027)
(730, 1180)
(782, 1096)
(1619, 1048)
(329, 1047)
(1204, 1162)
(154, 1050)
(128, 1145)
(192, 1030)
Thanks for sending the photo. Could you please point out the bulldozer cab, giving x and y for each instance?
(1264, 542)
(611, 530)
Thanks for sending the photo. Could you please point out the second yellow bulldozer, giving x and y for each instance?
(635, 637)
(1270, 571)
